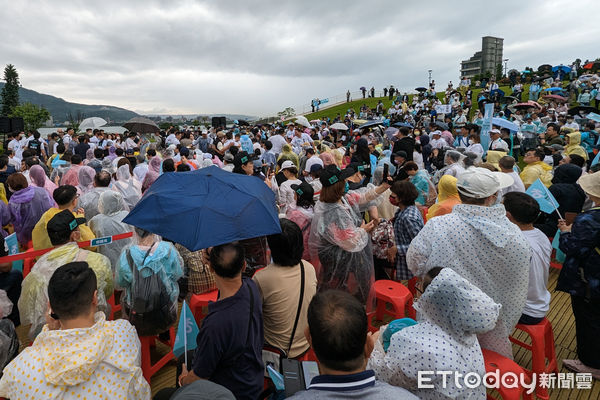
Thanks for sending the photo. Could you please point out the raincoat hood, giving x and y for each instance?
(489, 222)
(23, 196)
(457, 306)
(110, 203)
(574, 146)
(86, 179)
(71, 356)
(447, 188)
(566, 173)
(574, 139)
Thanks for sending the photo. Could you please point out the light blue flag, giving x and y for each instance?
(560, 256)
(596, 159)
(187, 331)
(542, 195)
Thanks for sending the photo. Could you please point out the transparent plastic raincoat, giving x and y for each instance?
(127, 186)
(340, 248)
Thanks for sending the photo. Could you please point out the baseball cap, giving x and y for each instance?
(288, 164)
(228, 157)
(242, 158)
(304, 191)
(64, 221)
(480, 183)
(315, 168)
(494, 131)
(331, 175)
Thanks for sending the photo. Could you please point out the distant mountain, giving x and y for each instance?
(230, 117)
(59, 108)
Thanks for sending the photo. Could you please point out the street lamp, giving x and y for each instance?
(505, 65)
(429, 76)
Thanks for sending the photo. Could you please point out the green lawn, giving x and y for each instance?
(372, 103)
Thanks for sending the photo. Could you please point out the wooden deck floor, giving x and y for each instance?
(560, 316)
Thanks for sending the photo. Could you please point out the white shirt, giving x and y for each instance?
(499, 145)
(277, 141)
(171, 139)
(312, 161)
(538, 296)
(286, 194)
(438, 143)
(572, 125)
(130, 144)
(475, 148)
(517, 186)
(17, 148)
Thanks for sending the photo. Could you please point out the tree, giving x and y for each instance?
(34, 116)
(10, 91)
(75, 120)
(499, 74)
(288, 112)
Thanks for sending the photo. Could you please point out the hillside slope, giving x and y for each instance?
(59, 108)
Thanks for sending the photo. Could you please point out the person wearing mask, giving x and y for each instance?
(339, 239)
(451, 313)
(476, 240)
(284, 191)
(89, 201)
(408, 221)
(404, 143)
(580, 278)
(78, 336)
(496, 142)
(63, 230)
(522, 210)
(338, 333)
(127, 185)
(420, 179)
(281, 284)
(27, 204)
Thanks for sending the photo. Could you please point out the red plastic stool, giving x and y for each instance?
(197, 301)
(542, 349)
(495, 362)
(149, 369)
(395, 294)
(113, 307)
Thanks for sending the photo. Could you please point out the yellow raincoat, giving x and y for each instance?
(40, 237)
(574, 146)
(99, 362)
(288, 154)
(447, 197)
(33, 303)
(533, 171)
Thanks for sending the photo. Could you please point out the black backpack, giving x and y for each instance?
(151, 310)
(35, 145)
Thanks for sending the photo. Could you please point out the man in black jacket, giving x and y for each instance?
(404, 143)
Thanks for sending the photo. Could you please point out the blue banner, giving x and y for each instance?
(486, 127)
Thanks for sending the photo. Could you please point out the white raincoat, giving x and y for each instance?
(128, 186)
(451, 312)
(108, 223)
(100, 362)
(485, 248)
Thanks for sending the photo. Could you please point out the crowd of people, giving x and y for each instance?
(418, 201)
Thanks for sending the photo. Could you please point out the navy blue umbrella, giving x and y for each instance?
(205, 208)
(371, 123)
(403, 124)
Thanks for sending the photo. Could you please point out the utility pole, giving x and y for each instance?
(430, 76)
(505, 66)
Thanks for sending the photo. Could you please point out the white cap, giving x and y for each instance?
(287, 164)
(436, 133)
(481, 183)
(494, 131)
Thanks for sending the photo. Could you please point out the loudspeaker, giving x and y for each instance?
(219, 121)
(17, 125)
(5, 125)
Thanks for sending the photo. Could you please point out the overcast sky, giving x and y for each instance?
(258, 57)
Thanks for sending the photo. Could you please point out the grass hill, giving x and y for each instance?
(372, 103)
(60, 109)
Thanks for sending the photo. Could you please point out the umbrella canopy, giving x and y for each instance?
(503, 123)
(421, 89)
(581, 110)
(594, 117)
(402, 124)
(508, 99)
(362, 88)
(554, 89)
(301, 120)
(371, 123)
(555, 97)
(390, 132)
(206, 207)
(92, 123)
(528, 104)
(141, 125)
(442, 125)
(339, 126)
(562, 68)
(242, 122)
(497, 93)
(586, 77)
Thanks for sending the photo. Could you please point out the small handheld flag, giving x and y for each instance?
(542, 195)
(187, 331)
